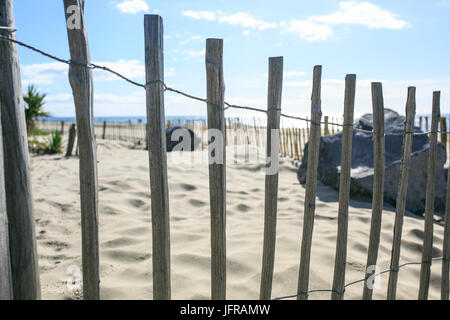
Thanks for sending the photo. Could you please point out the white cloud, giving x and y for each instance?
(362, 13)
(294, 73)
(313, 28)
(43, 73)
(48, 73)
(289, 74)
(246, 20)
(190, 38)
(132, 69)
(196, 54)
(133, 6)
(444, 3)
(242, 19)
(170, 73)
(204, 15)
(309, 30)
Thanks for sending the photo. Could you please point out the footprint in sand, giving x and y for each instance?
(137, 203)
(120, 242)
(56, 245)
(243, 208)
(197, 203)
(188, 187)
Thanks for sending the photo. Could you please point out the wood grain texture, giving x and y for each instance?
(217, 171)
(271, 180)
(19, 201)
(154, 66)
(427, 251)
(446, 247)
(378, 185)
(311, 185)
(402, 190)
(344, 189)
(6, 292)
(83, 92)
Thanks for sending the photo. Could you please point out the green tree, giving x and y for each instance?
(33, 109)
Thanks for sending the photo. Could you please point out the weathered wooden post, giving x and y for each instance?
(446, 247)
(6, 292)
(62, 128)
(156, 126)
(344, 189)
(444, 132)
(378, 187)
(326, 130)
(402, 191)
(80, 76)
(71, 142)
(271, 179)
(311, 185)
(427, 253)
(19, 201)
(420, 123)
(217, 167)
(104, 130)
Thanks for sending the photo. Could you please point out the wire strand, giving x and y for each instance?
(360, 280)
(187, 95)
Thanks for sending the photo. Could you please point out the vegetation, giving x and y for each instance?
(53, 145)
(39, 132)
(33, 109)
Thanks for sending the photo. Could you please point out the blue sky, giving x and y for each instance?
(400, 43)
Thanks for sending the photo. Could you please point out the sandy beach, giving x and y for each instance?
(125, 230)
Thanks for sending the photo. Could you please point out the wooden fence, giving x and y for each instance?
(22, 281)
(293, 136)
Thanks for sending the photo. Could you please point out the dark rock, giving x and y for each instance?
(194, 140)
(362, 163)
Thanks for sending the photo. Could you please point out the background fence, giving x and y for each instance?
(24, 282)
(293, 134)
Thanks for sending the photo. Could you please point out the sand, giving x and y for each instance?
(125, 230)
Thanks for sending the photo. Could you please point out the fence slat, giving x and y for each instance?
(82, 88)
(311, 185)
(378, 186)
(22, 235)
(217, 171)
(344, 189)
(271, 179)
(446, 247)
(6, 292)
(71, 142)
(104, 130)
(427, 253)
(154, 65)
(402, 191)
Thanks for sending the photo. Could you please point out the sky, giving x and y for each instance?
(399, 43)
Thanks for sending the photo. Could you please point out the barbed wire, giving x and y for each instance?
(93, 66)
(444, 260)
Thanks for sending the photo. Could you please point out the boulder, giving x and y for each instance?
(362, 163)
(178, 138)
